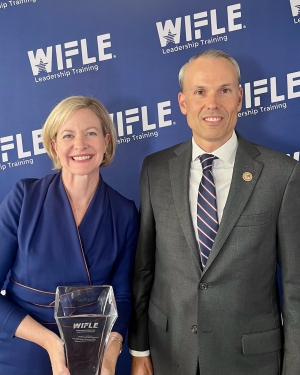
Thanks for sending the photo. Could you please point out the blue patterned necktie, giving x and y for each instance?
(207, 218)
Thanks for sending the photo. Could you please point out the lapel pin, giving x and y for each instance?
(247, 176)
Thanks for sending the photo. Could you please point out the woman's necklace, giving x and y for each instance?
(79, 212)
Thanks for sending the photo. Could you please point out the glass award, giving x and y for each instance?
(85, 316)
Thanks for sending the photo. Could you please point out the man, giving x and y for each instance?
(205, 287)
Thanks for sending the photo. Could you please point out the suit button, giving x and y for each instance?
(203, 286)
(194, 329)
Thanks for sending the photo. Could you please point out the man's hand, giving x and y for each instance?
(141, 366)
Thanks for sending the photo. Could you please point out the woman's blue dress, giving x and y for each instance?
(42, 248)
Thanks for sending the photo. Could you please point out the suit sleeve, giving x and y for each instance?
(144, 268)
(289, 260)
(10, 314)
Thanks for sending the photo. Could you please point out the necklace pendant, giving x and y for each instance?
(76, 209)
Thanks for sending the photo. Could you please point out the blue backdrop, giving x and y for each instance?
(128, 54)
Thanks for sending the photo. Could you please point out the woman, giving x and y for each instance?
(68, 228)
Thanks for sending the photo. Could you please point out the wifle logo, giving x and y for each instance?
(57, 61)
(266, 90)
(132, 125)
(295, 6)
(85, 325)
(187, 32)
(11, 142)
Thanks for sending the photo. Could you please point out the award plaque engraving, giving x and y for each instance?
(85, 316)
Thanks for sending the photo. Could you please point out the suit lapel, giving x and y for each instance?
(179, 168)
(239, 193)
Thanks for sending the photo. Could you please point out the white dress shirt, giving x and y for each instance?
(222, 170)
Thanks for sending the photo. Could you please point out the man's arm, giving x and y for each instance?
(289, 260)
(138, 339)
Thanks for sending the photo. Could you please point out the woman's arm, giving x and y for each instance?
(10, 209)
(112, 352)
(14, 320)
(29, 329)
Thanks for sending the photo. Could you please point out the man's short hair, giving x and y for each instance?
(210, 54)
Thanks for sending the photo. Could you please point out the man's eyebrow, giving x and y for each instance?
(203, 86)
(227, 84)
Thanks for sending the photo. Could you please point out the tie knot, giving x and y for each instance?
(207, 161)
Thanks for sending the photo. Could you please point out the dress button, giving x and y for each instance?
(194, 329)
(203, 286)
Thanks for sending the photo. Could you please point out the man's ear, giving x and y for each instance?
(240, 99)
(181, 101)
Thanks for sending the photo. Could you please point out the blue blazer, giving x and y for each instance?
(42, 248)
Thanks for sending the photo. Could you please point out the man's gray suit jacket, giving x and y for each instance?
(225, 319)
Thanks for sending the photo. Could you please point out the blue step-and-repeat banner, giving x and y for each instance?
(128, 54)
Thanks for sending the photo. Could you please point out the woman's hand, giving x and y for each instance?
(56, 353)
(29, 329)
(111, 354)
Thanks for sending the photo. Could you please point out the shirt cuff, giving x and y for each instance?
(135, 353)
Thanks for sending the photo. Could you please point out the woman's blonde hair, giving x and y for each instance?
(61, 113)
